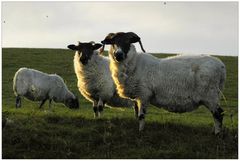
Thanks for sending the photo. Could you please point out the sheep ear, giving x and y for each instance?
(108, 39)
(72, 47)
(97, 46)
(141, 46)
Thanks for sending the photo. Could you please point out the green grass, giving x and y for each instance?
(64, 133)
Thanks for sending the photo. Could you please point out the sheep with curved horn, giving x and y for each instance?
(177, 84)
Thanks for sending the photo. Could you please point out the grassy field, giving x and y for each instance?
(64, 133)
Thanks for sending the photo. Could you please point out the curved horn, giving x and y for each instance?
(133, 38)
(141, 46)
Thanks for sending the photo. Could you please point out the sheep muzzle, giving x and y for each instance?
(119, 56)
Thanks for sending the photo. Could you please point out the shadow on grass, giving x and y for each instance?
(52, 136)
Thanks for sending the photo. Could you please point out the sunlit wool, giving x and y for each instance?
(177, 84)
(95, 81)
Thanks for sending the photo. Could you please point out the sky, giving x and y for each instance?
(164, 27)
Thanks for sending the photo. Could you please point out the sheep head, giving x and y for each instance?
(121, 41)
(85, 50)
(72, 103)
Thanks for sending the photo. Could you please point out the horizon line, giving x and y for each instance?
(172, 53)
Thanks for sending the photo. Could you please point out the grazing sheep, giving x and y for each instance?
(94, 77)
(39, 86)
(177, 84)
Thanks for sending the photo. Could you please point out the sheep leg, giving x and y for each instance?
(218, 118)
(100, 106)
(42, 103)
(100, 109)
(136, 109)
(217, 113)
(50, 103)
(95, 109)
(18, 102)
(141, 114)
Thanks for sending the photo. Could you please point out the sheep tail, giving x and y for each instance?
(141, 46)
(221, 85)
(231, 112)
(224, 98)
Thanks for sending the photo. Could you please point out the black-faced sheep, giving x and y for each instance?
(39, 86)
(177, 84)
(94, 77)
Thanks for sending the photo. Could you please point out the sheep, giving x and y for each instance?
(38, 86)
(94, 78)
(177, 84)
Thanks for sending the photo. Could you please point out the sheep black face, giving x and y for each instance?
(85, 50)
(72, 103)
(121, 43)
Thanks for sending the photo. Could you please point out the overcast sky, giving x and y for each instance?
(171, 27)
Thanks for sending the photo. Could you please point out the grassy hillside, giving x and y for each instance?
(64, 133)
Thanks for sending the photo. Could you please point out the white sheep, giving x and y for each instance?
(177, 84)
(94, 77)
(39, 86)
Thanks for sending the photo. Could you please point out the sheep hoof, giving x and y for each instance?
(217, 130)
(213, 132)
(220, 135)
(141, 125)
(18, 102)
(18, 105)
(220, 132)
(99, 114)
